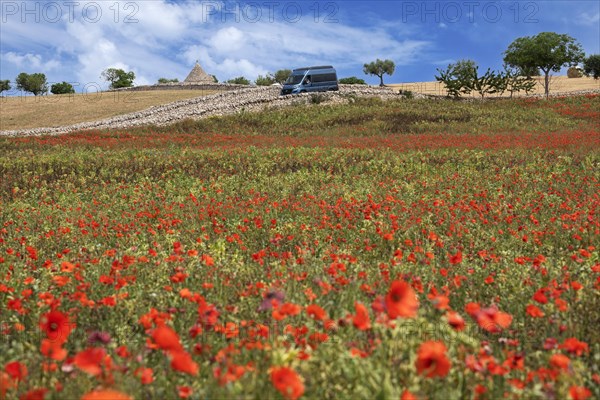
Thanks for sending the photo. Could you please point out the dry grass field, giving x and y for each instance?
(57, 110)
(557, 84)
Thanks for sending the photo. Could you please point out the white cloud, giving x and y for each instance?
(589, 19)
(164, 39)
(30, 61)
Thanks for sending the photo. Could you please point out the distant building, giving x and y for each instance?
(197, 75)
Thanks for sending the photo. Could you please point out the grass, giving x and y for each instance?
(59, 110)
(210, 242)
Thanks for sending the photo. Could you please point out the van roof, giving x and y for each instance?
(315, 67)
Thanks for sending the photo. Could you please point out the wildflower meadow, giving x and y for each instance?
(410, 249)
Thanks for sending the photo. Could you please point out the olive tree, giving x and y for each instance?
(379, 68)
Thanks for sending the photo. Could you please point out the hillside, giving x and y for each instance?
(56, 110)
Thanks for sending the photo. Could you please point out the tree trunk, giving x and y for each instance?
(547, 83)
(381, 80)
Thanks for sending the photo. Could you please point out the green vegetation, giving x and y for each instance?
(33, 83)
(200, 260)
(62, 88)
(379, 68)
(548, 51)
(352, 81)
(118, 78)
(591, 66)
(240, 80)
(4, 85)
(165, 80)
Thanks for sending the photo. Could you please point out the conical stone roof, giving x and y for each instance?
(197, 75)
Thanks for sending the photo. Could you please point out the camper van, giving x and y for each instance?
(311, 79)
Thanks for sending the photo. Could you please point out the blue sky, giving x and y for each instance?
(74, 40)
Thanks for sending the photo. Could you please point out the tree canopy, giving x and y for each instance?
(379, 68)
(62, 88)
(33, 83)
(591, 66)
(118, 78)
(548, 51)
(4, 85)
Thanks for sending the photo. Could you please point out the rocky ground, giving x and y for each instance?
(228, 102)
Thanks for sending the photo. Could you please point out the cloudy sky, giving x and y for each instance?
(75, 40)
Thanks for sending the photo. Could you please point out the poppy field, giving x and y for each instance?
(397, 250)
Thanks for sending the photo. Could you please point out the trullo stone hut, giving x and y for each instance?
(197, 75)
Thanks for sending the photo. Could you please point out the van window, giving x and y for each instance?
(324, 78)
(294, 79)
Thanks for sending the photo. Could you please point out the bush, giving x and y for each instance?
(317, 98)
(264, 80)
(165, 80)
(352, 81)
(240, 80)
(62, 88)
(408, 94)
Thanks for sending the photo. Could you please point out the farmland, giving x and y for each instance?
(401, 249)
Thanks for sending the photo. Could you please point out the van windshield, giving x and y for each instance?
(294, 79)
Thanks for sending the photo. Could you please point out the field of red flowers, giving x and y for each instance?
(356, 253)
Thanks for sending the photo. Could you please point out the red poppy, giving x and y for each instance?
(406, 395)
(287, 382)
(90, 360)
(181, 361)
(401, 300)
(16, 370)
(574, 346)
(166, 338)
(432, 360)
(53, 349)
(34, 394)
(6, 384)
(184, 391)
(361, 320)
(560, 361)
(145, 375)
(492, 320)
(579, 393)
(455, 320)
(106, 394)
(316, 312)
(534, 311)
(456, 258)
(56, 326)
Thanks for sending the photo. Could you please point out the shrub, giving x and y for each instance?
(165, 80)
(264, 80)
(240, 80)
(352, 81)
(62, 88)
